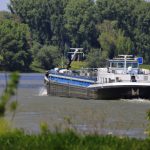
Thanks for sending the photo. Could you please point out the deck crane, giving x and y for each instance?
(73, 53)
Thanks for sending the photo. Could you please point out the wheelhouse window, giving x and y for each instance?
(114, 64)
(120, 65)
(129, 64)
(132, 64)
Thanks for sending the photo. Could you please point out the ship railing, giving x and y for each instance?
(145, 71)
(73, 75)
(122, 71)
(122, 81)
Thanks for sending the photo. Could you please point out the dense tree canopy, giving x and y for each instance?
(36, 14)
(133, 18)
(112, 40)
(81, 23)
(14, 45)
(106, 27)
(48, 57)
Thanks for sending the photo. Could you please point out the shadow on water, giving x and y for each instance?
(118, 117)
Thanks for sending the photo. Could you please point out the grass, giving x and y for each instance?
(68, 140)
(145, 66)
(75, 65)
(5, 126)
(35, 67)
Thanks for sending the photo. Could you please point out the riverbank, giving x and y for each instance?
(69, 140)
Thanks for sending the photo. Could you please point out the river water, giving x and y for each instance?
(117, 117)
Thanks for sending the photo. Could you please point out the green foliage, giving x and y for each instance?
(148, 118)
(69, 140)
(35, 67)
(45, 57)
(5, 15)
(13, 105)
(44, 127)
(112, 40)
(5, 127)
(148, 115)
(145, 67)
(133, 18)
(80, 23)
(6, 95)
(95, 59)
(9, 91)
(45, 19)
(48, 57)
(15, 45)
(59, 36)
(35, 13)
(142, 30)
(8, 15)
(76, 65)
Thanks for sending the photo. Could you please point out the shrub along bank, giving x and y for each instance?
(69, 140)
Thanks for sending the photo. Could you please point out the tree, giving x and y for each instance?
(95, 59)
(80, 23)
(142, 30)
(44, 17)
(5, 15)
(72, 23)
(59, 37)
(15, 45)
(132, 19)
(112, 40)
(48, 57)
(36, 14)
(10, 91)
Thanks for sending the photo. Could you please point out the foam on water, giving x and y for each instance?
(138, 100)
(42, 91)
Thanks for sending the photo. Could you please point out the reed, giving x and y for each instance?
(5, 126)
(69, 140)
(9, 91)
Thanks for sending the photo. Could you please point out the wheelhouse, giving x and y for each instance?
(123, 64)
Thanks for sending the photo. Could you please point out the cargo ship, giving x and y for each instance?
(122, 78)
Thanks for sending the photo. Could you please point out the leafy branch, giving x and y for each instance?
(9, 91)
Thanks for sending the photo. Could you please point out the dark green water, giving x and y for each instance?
(117, 117)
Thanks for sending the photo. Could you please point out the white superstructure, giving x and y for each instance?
(123, 69)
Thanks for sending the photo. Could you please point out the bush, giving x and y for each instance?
(68, 140)
(48, 57)
(95, 59)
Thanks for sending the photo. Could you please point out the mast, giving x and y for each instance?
(125, 57)
(73, 54)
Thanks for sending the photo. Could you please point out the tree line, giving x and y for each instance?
(42, 31)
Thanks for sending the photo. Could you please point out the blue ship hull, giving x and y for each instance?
(70, 86)
(71, 80)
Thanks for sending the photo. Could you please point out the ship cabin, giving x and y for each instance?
(124, 64)
(124, 68)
